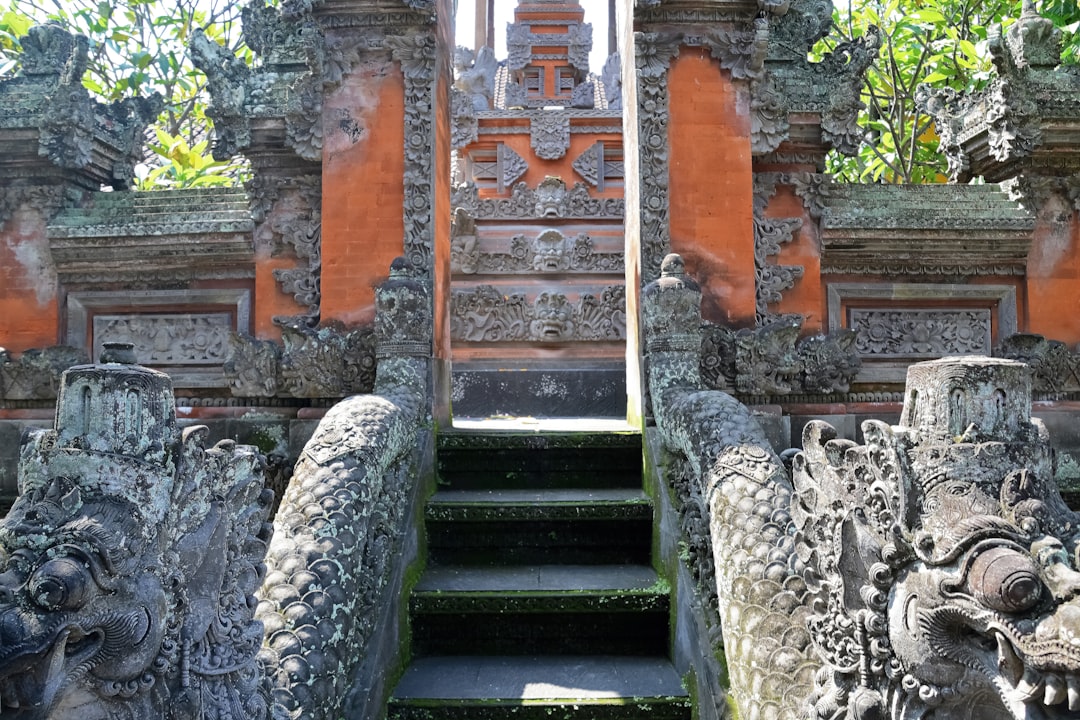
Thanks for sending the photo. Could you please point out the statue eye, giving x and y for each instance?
(1005, 580)
(60, 584)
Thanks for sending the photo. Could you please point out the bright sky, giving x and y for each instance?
(595, 13)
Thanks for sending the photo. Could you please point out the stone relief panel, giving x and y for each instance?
(886, 333)
(188, 339)
(486, 315)
(191, 346)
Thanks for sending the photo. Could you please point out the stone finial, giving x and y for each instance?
(403, 325)
(671, 319)
(672, 309)
(1034, 40)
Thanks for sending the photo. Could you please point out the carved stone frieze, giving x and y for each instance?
(772, 361)
(416, 54)
(583, 96)
(919, 333)
(548, 252)
(486, 315)
(464, 249)
(550, 199)
(167, 339)
(742, 51)
(549, 134)
(35, 374)
(330, 361)
(653, 55)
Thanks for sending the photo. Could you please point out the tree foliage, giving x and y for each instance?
(138, 47)
(941, 43)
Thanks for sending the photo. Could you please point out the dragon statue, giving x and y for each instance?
(139, 579)
(929, 574)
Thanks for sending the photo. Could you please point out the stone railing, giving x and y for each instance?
(338, 533)
(131, 562)
(738, 490)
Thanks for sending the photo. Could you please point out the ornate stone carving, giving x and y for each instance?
(228, 78)
(935, 564)
(740, 51)
(486, 315)
(130, 559)
(884, 333)
(253, 368)
(741, 490)
(130, 548)
(769, 235)
(583, 96)
(1053, 366)
(513, 165)
(589, 164)
(96, 144)
(653, 55)
(463, 124)
(328, 362)
(518, 46)
(416, 54)
(475, 76)
(611, 79)
(288, 217)
(187, 339)
(550, 199)
(579, 47)
(35, 375)
(549, 134)
(829, 362)
(771, 361)
(940, 555)
(791, 84)
(998, 130)
(464, 250)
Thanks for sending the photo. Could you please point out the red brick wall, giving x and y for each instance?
(28, 292)
(711, 186)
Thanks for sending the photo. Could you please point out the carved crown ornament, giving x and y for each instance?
(1003, 130)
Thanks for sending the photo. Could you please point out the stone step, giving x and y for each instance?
(540, 687)
(580, 610)
(552, 526)
(540, 461)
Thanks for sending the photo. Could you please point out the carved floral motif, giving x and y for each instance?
(550, 199)
(920, 333)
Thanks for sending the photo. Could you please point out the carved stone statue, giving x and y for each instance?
(932, 573)
(129, 560)
(943, 560)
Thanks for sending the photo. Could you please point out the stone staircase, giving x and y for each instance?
(538, 600)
